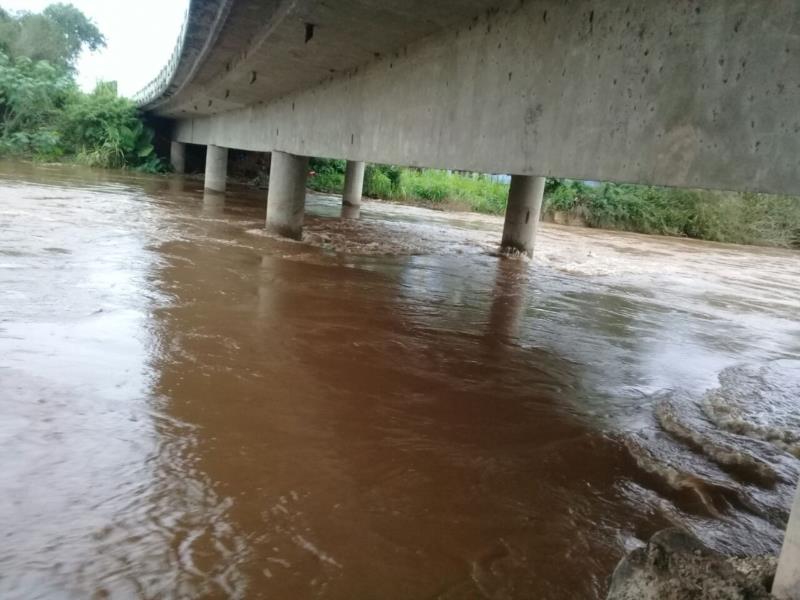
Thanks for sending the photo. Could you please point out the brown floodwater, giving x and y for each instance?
(190, 408)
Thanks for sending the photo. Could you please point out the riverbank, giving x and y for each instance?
(737, 218)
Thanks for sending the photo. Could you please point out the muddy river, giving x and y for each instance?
(192, 409)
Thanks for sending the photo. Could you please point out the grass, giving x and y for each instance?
(739, 218)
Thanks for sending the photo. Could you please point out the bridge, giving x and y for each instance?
(693, 93)
(690, 93)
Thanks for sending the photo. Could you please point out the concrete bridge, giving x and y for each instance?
(696, 93)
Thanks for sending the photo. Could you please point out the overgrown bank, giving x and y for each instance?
(756, 219)
(43, 113)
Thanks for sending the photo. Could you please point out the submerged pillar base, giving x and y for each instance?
(522, 214)
(353, 188)
(286, 197)
(177, 157)
(216, 168)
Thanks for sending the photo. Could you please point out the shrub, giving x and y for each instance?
(106, 131)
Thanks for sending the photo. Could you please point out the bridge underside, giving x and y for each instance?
(690, 93)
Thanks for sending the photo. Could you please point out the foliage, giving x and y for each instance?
(105, 131)
(719, 216)
(328, 175)
(56, 35)
(428, 186)
(758, 219)
(42, 112)
(472, 190)
(31, 96)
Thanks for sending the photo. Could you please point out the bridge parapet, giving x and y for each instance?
(157, 86)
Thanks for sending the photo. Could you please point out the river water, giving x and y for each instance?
(191, 408)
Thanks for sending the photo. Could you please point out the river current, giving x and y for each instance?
(387, 409)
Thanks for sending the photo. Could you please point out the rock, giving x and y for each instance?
(675, 565)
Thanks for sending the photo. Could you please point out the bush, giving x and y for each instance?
(32, 94)
(328, 175)
(105, 131)
(379, 184)
(717, 216)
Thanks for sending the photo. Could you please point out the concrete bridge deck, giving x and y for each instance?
(687, 93)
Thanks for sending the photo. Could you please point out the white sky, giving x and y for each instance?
(140, 35)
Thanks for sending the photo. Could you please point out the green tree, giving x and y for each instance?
(58, 35)
(31, 96)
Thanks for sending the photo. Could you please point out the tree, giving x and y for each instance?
(31, 96)
(58, 35)
(78, 31)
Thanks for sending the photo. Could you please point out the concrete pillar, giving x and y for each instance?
(353, 187)
(177, 156)
(522, 213)
(286, 198)
(216, 168)
(787, 579)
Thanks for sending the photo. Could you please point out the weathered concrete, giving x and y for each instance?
(694, 93)
(286, 197)
(353, 188)
(522, 213)
(787, 578)
(216, 168)
(177, 157)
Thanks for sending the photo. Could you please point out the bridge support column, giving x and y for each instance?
(787, 578)
(353, 187)
(216, 168)
(522, 213)
(286, 197)
(177, 156)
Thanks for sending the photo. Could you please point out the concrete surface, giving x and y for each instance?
(353, 183)
(787, 578)
(177, 157)
(693, 93)
(522, 213)
(286, 197)
(216, 168)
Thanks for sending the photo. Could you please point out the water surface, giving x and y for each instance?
(191, 408)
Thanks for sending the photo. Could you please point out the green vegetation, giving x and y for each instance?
(718, 216)
(429, 187)
(757, 219)
(44, 115)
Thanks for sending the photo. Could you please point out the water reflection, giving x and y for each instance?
(213, 203)
(508, 300)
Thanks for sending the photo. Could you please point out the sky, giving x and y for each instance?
(140, 34)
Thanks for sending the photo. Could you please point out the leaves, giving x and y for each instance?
(57, 35)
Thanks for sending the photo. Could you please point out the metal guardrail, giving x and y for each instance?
(159, 84)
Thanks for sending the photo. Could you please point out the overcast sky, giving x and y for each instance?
(140, 35)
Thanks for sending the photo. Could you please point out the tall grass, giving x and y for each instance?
(738, 218)
(757, 219)
(429, 187)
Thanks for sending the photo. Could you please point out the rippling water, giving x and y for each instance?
(191, 408)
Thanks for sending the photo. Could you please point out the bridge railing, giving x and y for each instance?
(159, 84)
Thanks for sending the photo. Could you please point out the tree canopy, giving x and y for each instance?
(43, 114)
(57, 35)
